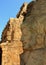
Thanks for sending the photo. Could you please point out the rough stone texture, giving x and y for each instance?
(11, 44)
(34, 34)
(11, 51)
(24, 38)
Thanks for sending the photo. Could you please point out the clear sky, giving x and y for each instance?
(9, 9)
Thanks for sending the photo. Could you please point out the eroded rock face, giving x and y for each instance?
(24, 37)
(11, 44)
(11, 52)
(34, 34)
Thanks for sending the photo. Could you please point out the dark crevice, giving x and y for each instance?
(12, 35)
(0, 56)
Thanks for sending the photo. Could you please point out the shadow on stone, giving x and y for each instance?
(0, 56)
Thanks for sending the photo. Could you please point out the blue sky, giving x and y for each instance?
(9, 9)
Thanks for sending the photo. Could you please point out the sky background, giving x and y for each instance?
(9, 9)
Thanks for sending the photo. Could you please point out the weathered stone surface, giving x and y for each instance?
(11, 52)
(34, 34)
(36, 57)
(11, 44)
(24, 38)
